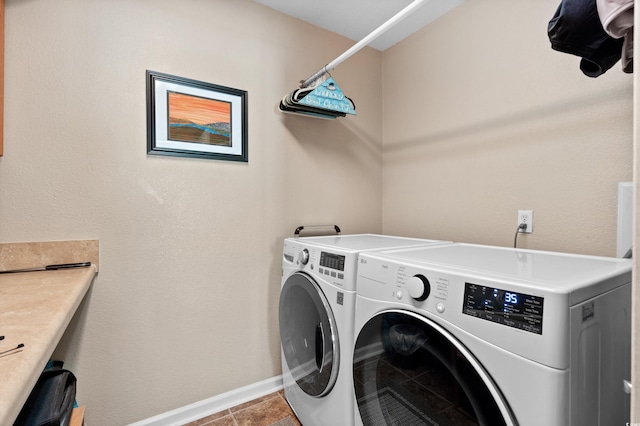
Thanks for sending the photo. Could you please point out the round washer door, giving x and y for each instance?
(409, 370)
(308, 334)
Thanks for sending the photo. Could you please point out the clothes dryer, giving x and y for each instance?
(316, 315)
(465, 334)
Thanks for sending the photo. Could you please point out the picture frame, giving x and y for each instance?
(189, 118)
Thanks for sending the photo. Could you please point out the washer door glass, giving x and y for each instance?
(410, 371)
(308, 334)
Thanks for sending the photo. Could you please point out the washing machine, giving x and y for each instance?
(316, 314)
(465, 334)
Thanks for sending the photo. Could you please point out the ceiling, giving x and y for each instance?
(355, 19)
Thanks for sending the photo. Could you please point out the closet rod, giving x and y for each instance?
(362, 43)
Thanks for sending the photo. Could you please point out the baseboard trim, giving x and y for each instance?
(215, 404)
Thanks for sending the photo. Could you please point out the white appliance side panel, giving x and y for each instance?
(600, 359)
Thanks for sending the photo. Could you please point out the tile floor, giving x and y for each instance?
(263, 411)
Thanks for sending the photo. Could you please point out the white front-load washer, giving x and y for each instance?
(316, 314)
(465, 334)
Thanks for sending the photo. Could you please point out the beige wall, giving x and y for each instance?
(482, 118)
(185, 304)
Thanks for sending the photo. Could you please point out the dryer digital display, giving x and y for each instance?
(333, 261)
(517, 310)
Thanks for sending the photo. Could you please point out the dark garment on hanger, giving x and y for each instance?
(576, 29)
(627, 52)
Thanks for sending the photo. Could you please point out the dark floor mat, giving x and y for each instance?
(388, 407)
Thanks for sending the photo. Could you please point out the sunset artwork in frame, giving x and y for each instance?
(191, 118)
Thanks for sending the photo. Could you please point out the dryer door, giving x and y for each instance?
(408, 370)
(309, 335)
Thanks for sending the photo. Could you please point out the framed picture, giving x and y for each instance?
(189, 118)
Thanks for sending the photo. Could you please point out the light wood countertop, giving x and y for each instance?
(35, 309)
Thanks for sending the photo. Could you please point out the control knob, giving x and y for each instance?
(303, 257)
(419, 287)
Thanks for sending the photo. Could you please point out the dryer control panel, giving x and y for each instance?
(511, 316)
(510, 308)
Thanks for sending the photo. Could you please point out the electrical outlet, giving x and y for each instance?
(526, 217)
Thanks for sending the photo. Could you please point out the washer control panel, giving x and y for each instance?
(330, 265)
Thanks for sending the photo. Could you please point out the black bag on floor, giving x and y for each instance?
(51, 400)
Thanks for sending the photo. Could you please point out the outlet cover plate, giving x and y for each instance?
(526, 216)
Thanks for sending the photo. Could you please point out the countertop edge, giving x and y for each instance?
(14, 393)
